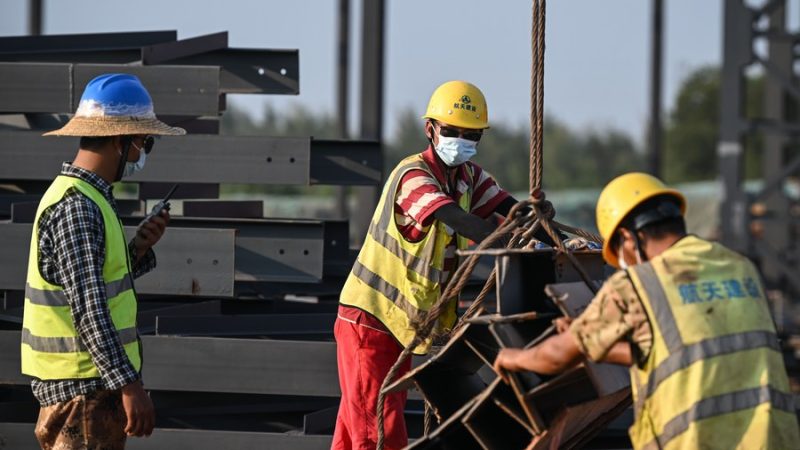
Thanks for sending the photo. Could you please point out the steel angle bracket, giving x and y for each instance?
(448, 379)
(451, 434)
(497, 420)
(522, 276)
(578, 424)
(573, 298)
(549, 397)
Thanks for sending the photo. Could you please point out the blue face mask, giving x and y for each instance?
(455, 151)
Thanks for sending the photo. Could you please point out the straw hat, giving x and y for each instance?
(115, 104)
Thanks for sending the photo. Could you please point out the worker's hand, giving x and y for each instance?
(506, 361)
(138, 409)
(562, 324)
(149, 232)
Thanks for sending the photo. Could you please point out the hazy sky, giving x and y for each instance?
(597, 60)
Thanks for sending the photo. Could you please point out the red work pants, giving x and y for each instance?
(364, 355)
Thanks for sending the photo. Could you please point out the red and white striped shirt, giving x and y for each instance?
(419, 195)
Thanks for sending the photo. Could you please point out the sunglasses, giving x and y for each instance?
(147, 145)
(451, 132)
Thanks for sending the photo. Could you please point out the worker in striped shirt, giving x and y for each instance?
(433, 203)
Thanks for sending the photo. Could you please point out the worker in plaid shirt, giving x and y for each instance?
(79, 339)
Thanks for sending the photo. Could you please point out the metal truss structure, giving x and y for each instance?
(762, 224)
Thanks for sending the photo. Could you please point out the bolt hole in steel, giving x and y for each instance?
(261, 71)
(269, 159)
(281, 251)
(291, 160)
(305, 252)
(189, 261)
(215, 262)
(283, 71)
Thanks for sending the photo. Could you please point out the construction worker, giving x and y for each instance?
(432, 204)
(79, 338)
(689, 317)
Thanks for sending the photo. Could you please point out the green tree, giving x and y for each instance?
(692, 129)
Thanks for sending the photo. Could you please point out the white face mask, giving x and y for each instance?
(455, 151)
(133, 167)
(621, 259)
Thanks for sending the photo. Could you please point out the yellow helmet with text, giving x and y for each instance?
(459, 104)
(621, 196)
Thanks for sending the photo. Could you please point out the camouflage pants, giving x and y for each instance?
(93, 421)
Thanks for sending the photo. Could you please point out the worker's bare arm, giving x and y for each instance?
(550, 357)
(620, 353)
(465, 224)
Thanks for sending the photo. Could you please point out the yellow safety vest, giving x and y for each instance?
(51, 349)
(398, 281)
(714, 378)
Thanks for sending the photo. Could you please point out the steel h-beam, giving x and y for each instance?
(656, 53)
(342, 99)
(737, 54)
(775, 233)
(35, 17)
(198, 159)
(372, 38)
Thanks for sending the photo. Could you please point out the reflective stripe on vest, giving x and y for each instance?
(713, 361)
(680, 356)
(50, 346)
(69, 344)
(47, 297)
(722, 404)
(393, 279)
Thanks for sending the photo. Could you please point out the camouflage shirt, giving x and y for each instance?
(615, 314)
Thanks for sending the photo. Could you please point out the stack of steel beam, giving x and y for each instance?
(236, 320)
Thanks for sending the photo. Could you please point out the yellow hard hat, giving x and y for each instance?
(459, 104)
(621, 196)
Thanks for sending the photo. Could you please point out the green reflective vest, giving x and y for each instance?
(51, 349)
(398, 281)
(714, 378)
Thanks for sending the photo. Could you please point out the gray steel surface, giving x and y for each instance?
(307, 324)
(203, 364)
(211, 159)
(176, 90)
(19, 436)
(184, 268)
(253, 366)
(242, 71)
(17, 48)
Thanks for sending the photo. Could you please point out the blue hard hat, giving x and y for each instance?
(115, 94)
(115, 104)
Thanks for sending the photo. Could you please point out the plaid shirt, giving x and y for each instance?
(71, 254)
